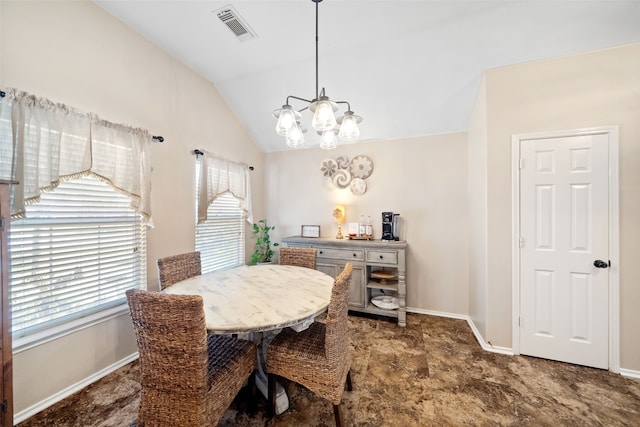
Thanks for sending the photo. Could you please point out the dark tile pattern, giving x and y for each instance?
(431, 373)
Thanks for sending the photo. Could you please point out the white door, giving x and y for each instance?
(564, 226)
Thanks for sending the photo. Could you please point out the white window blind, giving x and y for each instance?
(75, 254)
(221, 239)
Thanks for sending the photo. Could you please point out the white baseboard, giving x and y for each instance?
(55, 398)
(436, 313)
(485, 346)
(630, 373)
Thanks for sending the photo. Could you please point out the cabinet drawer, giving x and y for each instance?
(386, 257)
(345, 254)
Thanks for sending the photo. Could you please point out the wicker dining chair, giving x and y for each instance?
(188, 377)
(302, 257)
(316, 358)
(176, 268)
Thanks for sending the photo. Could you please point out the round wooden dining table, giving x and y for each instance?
(258, 298)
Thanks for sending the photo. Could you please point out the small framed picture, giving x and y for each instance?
(310, 231)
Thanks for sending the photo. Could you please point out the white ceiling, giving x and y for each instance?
(409, 68)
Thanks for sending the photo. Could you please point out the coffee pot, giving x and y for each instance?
(390, 229)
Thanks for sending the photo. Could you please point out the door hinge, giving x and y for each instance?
(521, 242)
(520, 163)
(4, 406)
(519, 321)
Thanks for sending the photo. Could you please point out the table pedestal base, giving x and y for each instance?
(282, 401)
(262, 339)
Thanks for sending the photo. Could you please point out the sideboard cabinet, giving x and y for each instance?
(371, 259)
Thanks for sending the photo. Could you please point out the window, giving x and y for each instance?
(220, 239)
(74, 256)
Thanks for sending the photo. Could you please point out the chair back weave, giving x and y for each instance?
(176, 268)
(302, 257)
(172, 341)
(317, 358)
(337, 324)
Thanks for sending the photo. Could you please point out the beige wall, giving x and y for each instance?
(477, 170)
(75, 53)
(424, 179)
(593, 89)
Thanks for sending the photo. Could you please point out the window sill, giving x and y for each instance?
(35, 339)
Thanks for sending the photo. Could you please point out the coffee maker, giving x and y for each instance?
(390, 226)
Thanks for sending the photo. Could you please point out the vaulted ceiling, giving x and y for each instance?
(408, 67)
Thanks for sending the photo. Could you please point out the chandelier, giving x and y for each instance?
(324, 120)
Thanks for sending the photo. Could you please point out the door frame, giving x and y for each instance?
(614, 233)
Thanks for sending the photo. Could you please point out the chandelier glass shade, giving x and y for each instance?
(328, 139)
(295, 138)
(324, 119)
(349, 130)
(287, 119)
(323, 114)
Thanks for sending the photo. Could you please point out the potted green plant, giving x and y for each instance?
(263, 252)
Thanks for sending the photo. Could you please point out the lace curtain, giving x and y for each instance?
(219, 176)
(43, 143)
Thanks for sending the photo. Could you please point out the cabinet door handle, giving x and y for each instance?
(355, 255)
(381, 257)
(320, 252)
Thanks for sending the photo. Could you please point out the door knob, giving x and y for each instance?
(600, 264)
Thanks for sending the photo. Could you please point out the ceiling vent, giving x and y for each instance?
(232, 19)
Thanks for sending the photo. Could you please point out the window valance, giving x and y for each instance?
(219, 176)
(50, 142)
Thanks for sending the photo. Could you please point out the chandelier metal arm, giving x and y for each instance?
(298, 98)
(344, 102)
(314, 100)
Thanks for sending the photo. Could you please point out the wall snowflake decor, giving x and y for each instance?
(343, 173)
